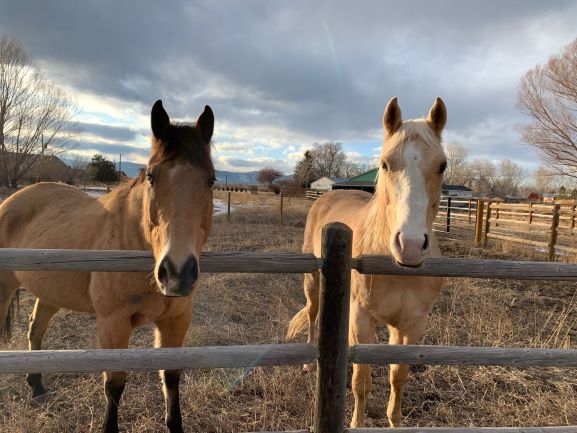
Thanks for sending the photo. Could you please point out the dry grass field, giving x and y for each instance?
(241, 309)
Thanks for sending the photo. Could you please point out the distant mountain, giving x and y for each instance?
(231, 177)
(132, 169)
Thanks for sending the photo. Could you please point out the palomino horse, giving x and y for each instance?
(396, 221)
(167, 209)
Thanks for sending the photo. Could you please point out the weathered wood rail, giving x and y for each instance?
(332, 354)
(249, 262)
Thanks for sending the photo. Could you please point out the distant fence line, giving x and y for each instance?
(549, 227)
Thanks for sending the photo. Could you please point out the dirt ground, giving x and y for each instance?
(242, 309)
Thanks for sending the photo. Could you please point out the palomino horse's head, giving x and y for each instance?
(177, 201)
(410, 178)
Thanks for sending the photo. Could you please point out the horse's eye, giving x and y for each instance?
(384, 166)
(443, 167)
(150, 178)
(211, 182)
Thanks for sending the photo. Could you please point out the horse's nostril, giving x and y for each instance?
(165, 270)
(190, 270)
(426, 244)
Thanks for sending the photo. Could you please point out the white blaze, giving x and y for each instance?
(412, 198)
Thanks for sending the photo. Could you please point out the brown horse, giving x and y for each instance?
(167, 210)
(397, 221)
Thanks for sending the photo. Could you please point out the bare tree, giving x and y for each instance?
(34, 114)
(457, 171)
(485, 176)
(511, 175)
(548, 95)
(351, 169)
(329, 159)
(542, 179)
(266, 176)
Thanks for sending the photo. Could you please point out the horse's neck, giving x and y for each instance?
(124, 205)
(374, 230)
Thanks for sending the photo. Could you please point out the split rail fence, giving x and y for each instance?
(332, 354)
(549, 229)
(456, 217)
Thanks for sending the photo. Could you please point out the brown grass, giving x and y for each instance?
(241, 309)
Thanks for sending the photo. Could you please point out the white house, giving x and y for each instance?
(325, 183)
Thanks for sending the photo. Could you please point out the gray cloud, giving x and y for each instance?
(118, 133)
(325, 69)
(108, 148)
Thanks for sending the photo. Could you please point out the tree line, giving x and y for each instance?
(322, 160)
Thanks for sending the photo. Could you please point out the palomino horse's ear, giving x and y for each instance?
(392, 118)
(159, 120)
(205, 124)
(438, 116)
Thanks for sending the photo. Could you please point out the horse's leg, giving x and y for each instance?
(113, 333)
(171, 333)
(312, 293)
(8, 285)
(399, 373)
(39, 320)
(362, 330)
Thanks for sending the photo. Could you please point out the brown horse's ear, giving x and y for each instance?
(438, 116)
(159, 120)
(392, 118)
(205, 124)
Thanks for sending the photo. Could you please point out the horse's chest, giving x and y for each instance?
(396, 301)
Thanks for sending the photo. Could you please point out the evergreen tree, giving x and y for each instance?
(101, 170)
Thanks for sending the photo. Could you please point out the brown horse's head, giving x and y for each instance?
(177, 202)
(410, 179)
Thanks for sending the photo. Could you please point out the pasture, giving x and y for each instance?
(242, 309)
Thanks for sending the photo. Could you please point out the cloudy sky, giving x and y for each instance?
(281, 76)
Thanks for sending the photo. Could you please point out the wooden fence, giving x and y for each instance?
(457, 217)
(549, 229)
(332, 353)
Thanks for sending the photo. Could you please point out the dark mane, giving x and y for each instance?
(183, 140)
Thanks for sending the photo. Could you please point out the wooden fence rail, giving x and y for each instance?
(141, 261)
(332, 355)
(460, 355)
(97, 360)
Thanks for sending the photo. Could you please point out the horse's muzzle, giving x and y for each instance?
(177, 282)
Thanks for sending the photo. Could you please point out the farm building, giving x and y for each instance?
(457, 190)
(35, 167)
(364, 182)
(549, 198)
(326, 183)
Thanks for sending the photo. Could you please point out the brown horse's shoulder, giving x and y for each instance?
(48, 191)
(35, 216)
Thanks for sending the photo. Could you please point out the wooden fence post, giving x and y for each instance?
(553, 238)
(572, 218)
(479, 222)
(448, 214)
(331, 388)
(530, 212)
(228, 208)
(470, 210)
(281, 206)
(487, 223)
